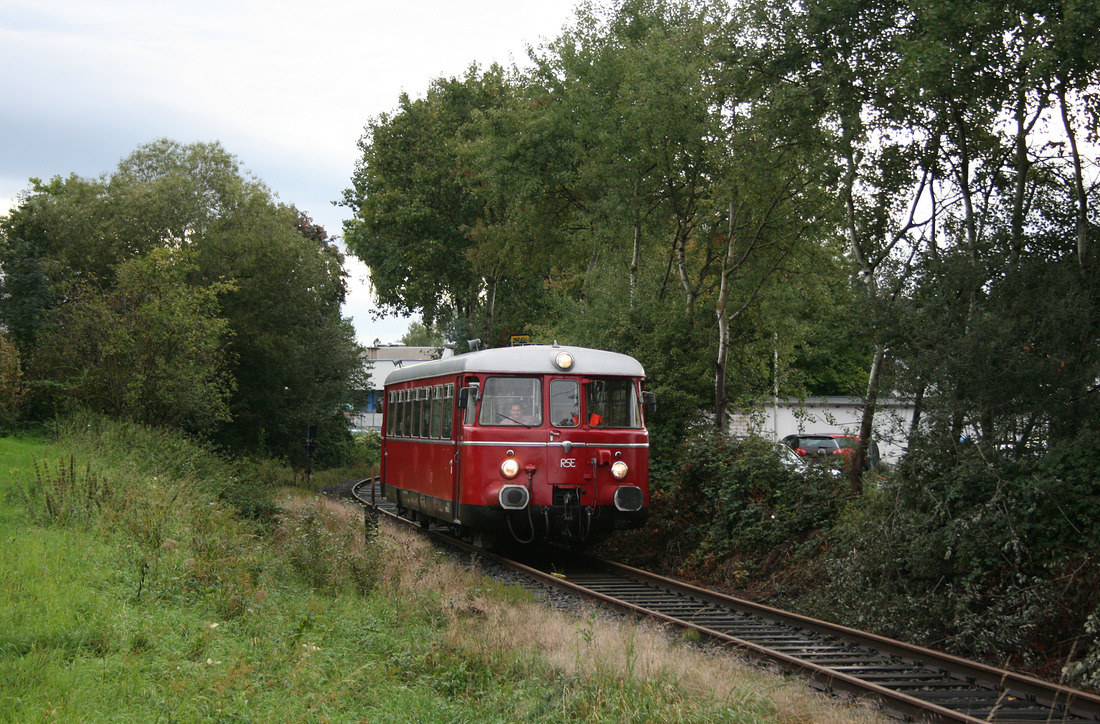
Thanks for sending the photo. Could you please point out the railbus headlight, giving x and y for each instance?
(509, 468)
(619, 469)
(564, 361)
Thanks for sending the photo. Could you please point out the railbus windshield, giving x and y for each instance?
(511, 401)
(565, 403)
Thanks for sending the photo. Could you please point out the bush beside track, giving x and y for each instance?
(951, 549)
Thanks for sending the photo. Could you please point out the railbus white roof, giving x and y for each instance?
(528, 359)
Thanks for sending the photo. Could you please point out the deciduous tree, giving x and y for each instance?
(278, 282)
(12, 391)
(152, 349)
(414, 208)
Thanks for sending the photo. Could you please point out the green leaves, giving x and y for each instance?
(152, 349)
(178, 292)
(414, 199)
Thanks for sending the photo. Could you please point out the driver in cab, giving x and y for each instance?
(517, 416)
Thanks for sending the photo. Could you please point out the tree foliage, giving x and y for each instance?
(152, 349)
(228, 302)
(12, 391)
(421, 335)
(621, 176)
(414, 203)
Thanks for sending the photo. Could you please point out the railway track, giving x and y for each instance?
(909, 681)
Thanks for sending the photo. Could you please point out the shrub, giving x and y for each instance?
(989, 555)
(748, 500)
(371, 442)
(1085, 673)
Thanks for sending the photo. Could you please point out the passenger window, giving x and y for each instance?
(425, 412)
(565, 403)
(437, 411)
(448, 410)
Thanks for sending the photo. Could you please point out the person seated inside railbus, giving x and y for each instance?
(516, 416)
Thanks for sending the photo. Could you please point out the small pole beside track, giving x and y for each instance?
(370, 513)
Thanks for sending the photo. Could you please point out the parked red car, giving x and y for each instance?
(826, 445)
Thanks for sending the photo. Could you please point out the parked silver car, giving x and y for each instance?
(831, 446)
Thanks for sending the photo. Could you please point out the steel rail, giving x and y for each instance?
(1054, 695)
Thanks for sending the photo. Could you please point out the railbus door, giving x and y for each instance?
(571, 479)
(463, 408)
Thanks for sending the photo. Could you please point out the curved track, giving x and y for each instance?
(909, 681)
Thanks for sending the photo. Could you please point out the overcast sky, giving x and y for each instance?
(285, 86)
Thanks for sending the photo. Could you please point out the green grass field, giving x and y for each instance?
(129, 592)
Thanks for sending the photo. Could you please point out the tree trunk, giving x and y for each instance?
(918, 403)
(866, 425)
(635, 261)
(720, 408)
(490, 308)
(867, 274)
(1078, 181)
(636, 256)
(1023, 164)
(681, 267)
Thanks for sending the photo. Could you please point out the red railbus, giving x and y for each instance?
(522, 444)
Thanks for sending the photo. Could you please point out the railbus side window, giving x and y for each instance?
(418, 410)
(406, 412)
(437, 411)
(425, 411)
(448, 410)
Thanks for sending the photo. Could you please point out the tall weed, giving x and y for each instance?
(325, 550)
(65, 495)
(246, 484)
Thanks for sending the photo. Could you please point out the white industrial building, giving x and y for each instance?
(382, 360)
(777, 419)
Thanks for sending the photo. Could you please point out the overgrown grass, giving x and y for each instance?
(160, 602)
